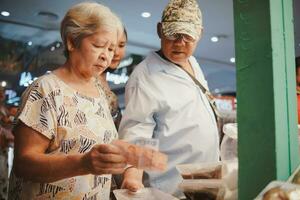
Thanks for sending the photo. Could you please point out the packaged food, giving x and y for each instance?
(228, 149)
(142, 194)
(226, 172)
(142, 157)
(204, 189)
(278, 190)
(201, 170)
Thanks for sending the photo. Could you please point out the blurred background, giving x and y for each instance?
(30, 43)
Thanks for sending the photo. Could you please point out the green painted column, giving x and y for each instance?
(266, 93)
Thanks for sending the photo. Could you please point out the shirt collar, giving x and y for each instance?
(156, 64)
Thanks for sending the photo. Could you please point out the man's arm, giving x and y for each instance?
(137, 121)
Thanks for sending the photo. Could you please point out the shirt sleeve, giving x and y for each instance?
(138, 119)
(38, 108)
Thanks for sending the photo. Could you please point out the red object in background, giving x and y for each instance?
(298, 109)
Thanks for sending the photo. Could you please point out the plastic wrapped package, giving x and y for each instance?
(142, 157)
(227, 172)
(201, 170)
(142, 194)
(230, 178)
(228, 149)
(277, 190)
(204, 189)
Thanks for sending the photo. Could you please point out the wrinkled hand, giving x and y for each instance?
(132, 180)
(104, 159)
(6, 138)
(132, 184)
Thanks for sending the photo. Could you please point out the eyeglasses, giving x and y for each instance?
(177, 36)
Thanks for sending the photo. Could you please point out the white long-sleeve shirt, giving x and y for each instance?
(163, 102)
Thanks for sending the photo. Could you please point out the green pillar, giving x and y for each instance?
(266, 93)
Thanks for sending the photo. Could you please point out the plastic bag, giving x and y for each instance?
(142, 194)
(280, 190)
(200, 171)
(207, 189)
(223, 174)
(143, 156)
(228, 148)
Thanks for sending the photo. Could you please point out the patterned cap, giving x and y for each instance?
(182, 16)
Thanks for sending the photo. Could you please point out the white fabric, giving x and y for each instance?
(163, 102)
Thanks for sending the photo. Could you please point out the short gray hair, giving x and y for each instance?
(84, 19)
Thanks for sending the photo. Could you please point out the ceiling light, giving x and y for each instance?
(5, 13)
(52, 48)
(29, 43)
(232, 60)
(3, 83)
(57, 45)
(48, 15)
(146, 14)
(214, 39)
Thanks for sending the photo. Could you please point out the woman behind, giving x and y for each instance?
(110, 95)
(64, 125)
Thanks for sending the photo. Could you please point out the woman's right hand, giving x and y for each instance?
(104, 159)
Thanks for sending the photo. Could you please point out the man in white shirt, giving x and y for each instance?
(163, 101)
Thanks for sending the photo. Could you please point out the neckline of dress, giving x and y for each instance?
(74, 90)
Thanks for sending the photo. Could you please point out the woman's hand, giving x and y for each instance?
(132, 179)
(104, 159)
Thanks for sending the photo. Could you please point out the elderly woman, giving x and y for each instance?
(110, 95)
(64, 127)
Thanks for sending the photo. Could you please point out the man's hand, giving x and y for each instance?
(132, 179)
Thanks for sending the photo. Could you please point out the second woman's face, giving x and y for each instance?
(119, 52)
(95, 52)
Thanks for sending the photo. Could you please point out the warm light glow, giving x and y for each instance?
(3, 83)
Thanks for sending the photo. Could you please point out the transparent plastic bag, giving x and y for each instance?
(228, 149)
(142, 194)
(280, 190)
(206, 189)
(201, 170)
(226, 172)
(142, 153)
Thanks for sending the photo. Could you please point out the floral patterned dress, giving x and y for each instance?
(73, 123)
